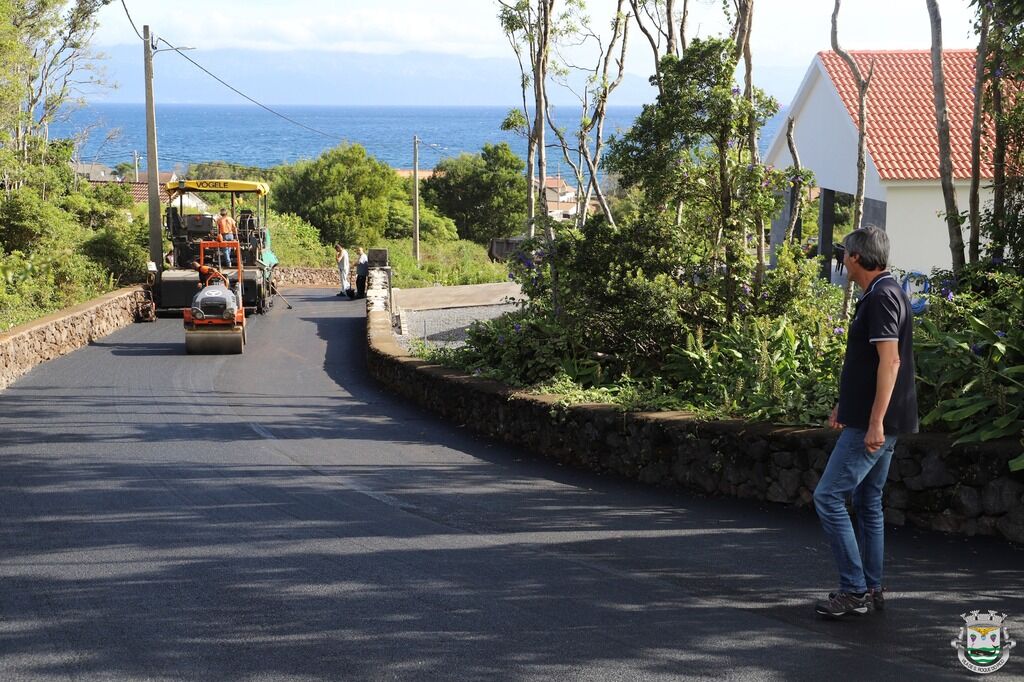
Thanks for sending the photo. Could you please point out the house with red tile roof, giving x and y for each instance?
(902, 190)
(140, 195)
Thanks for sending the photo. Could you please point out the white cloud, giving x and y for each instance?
(787, 33)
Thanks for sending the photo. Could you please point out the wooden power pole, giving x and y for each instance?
(156, 242)
(416, 198)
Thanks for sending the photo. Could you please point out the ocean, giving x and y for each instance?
(249, 135)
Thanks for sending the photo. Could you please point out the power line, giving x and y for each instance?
(228, 85)
(239, 92)
(130, 21)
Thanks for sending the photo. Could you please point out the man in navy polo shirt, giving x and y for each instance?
(877, 403)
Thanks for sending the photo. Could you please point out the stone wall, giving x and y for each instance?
(966, 490)
(308, 277)
(32, 343)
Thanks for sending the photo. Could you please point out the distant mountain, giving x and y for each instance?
(332, 78)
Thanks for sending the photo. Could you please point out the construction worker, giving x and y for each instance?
(206, 273)
(226, 229)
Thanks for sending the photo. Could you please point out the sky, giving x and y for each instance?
(453, 51)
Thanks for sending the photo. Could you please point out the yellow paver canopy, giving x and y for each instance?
(234, 186)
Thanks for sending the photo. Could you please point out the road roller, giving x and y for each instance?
(215, 322)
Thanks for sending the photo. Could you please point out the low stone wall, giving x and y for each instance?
(33, 343)
(307, 277)
(966, 490)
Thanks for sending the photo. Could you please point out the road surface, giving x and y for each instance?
(278, 515)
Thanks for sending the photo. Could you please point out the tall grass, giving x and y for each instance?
(444, 263)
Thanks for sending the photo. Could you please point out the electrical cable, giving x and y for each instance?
(130, 21)
(239, 92)
(229, 86)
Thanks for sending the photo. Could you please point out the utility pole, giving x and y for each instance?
(135, 155)
(156, 242)
(416, 198)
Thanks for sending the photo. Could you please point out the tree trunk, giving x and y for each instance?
(544, 8)
(953, 225)
(979, 85)
(862, 136)
(998, 160)
(725, 209)
(755, 154)
(797, 200)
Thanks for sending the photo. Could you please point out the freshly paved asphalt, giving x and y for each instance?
(278, 515)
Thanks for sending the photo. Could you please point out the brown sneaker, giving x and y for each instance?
(877, 595)
(842, 603)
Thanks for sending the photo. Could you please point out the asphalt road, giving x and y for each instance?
(277, 515)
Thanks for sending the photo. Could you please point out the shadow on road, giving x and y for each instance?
(320, 527)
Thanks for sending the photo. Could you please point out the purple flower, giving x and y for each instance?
(501, 338)
(838, 330)
(736, 91)
(511, 276)
(1001, 334)
(746, 289)
(976, 348)
(518, 327)
(949, 296)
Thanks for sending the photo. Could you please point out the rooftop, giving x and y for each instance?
(901, 110)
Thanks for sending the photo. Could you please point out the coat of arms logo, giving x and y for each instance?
(983, 645)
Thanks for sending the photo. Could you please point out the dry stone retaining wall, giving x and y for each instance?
(306, 277)
(33, 343)
(966, 489)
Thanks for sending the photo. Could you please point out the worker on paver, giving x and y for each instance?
(877, 403)
(226, 229)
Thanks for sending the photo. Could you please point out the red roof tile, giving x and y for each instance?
(138, 190)
(901, 110)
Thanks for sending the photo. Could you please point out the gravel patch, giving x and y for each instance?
(447, 326)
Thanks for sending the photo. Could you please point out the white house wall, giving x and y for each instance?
(826, 138)
(918, 237)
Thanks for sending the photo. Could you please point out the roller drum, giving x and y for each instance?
(218, 342)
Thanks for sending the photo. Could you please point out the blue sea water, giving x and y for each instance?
(249, 135)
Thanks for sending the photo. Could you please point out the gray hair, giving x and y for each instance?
(871, 243)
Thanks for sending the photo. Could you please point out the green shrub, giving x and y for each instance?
(297, 243)
(446, 263)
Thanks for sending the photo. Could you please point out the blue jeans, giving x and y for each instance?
(853, 471)
(227, 251)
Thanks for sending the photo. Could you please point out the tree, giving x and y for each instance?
(344, 193)
(862, 83)
(953, 224)
(588, 142)
(974, 208)
(533, 29)
(483, 193)
(689, 153)
(657, 21)
(60, 63)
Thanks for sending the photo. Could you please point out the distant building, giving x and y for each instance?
(560, 197)
(93, 171)
(407, 173)
(140, 195)
(902, 190)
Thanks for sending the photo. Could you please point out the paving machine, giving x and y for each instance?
(194, 239)
(215, 320)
